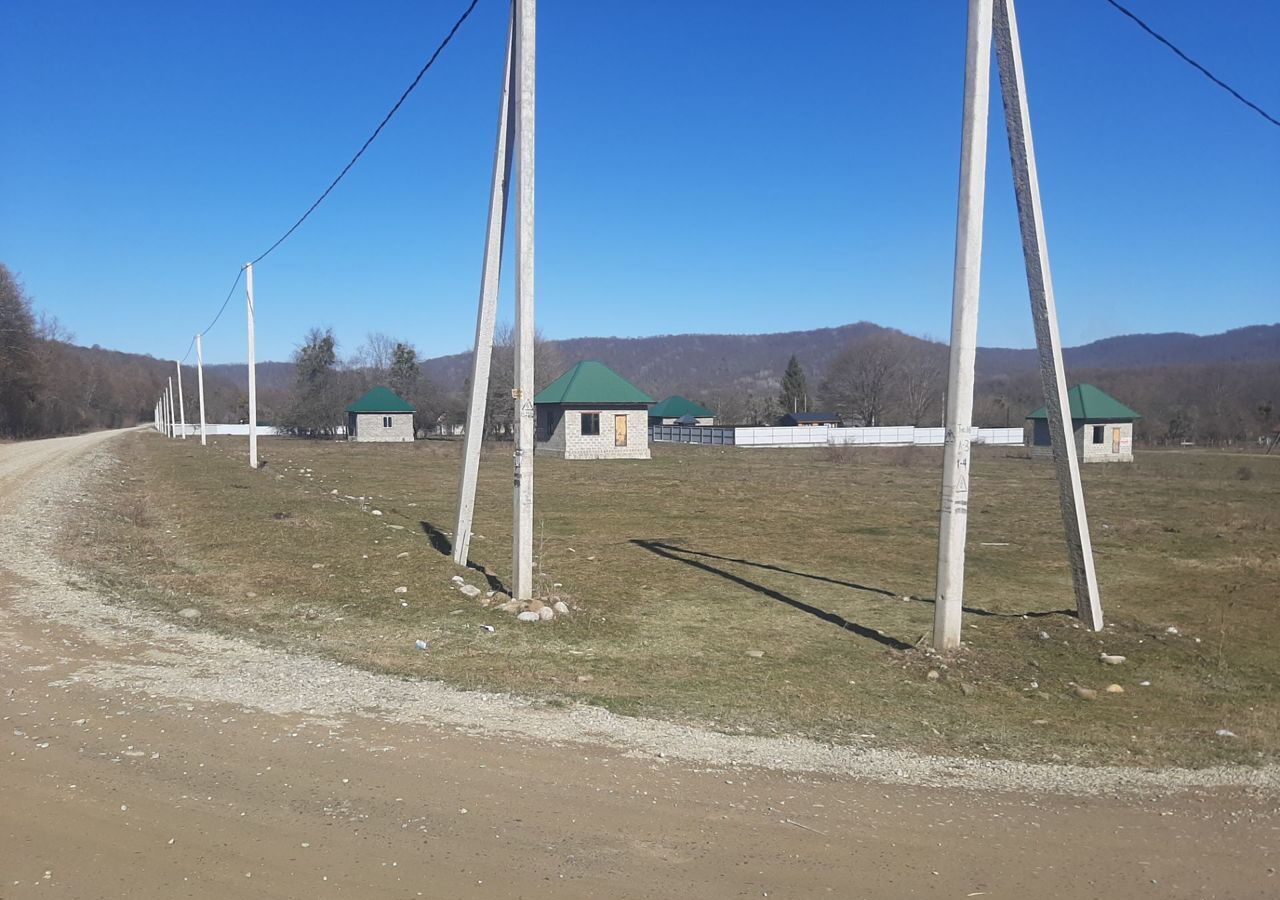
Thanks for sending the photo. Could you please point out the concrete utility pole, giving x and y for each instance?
(253, 370)
(986, 16)
(200, 382)
(169, 398)
(1035, 252)
(526, 58)
(964, 329)
(182, 405)
(490, 273)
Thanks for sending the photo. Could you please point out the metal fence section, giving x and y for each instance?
(692, 434)
(823, 436)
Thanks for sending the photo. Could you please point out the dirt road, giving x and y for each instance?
(141, 757)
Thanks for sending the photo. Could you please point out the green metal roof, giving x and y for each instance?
(1088, 404)
(592, 382)
(676, 406)
(380, 400)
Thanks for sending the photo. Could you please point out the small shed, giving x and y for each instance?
(1103, 427)
(380, 415)
(592, 412)
(677, 410)
(811, 418)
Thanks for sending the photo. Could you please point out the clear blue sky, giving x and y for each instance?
(719, 165)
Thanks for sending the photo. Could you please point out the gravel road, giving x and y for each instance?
(144, 757)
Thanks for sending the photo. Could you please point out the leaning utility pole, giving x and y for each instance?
(490, 272)
(516, 117)
(983, 16)
(253, 370)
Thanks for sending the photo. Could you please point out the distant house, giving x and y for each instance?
(1103, 427)
(677, 410)
(592, 412)
(811, 418)
(380, 415)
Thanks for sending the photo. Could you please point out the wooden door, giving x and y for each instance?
(1115, 440)
(619, 431)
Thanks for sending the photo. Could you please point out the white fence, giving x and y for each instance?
(234, 429)
(827, 435)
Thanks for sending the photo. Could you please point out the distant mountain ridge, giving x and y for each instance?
(674, 363)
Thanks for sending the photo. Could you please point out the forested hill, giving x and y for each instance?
(670, 363)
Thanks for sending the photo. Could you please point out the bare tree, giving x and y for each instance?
(860, 381)
(921, 380)
(548, 365)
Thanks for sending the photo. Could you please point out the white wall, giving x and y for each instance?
(890, 436)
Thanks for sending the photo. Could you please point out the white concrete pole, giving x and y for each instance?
(200, 382)
(522, 533)
(490, 274)
(949, 601)
(253, 370)
(182, 405)
(1035, 252)
(170, 402)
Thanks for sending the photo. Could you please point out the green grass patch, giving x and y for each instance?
(679, 565)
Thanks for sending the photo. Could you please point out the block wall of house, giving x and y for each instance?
(1089, 450)
(369, 427)
(566, 439)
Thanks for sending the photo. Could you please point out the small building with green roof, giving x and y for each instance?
(380, 415)
(592, 412)
(677, 410)
(1103, 427)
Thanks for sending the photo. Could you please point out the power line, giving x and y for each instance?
(387, 118)
(345, 169)
(1214, 78)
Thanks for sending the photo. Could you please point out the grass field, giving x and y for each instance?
(680, 565)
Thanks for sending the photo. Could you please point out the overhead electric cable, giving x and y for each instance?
(345, 169)
(387, 118)
(1214, 78)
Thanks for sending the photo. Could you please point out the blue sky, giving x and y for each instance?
(720, 165)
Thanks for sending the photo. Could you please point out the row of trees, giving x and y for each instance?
(324, 385)
(48, 386)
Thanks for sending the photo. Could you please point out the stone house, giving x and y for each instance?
(380, 415)
(677, 410)
(1102, 425)
(592, 412)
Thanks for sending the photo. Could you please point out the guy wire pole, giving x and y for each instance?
(182, 405)
(200, 382)
(949, 601)
(1035, 252)
(490, 274)
(522, 533)
(253, 370)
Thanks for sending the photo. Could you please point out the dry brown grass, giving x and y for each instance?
(681, 564)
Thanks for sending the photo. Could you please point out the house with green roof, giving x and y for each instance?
(380, 415)
(677, 410)
(1102, 425)
(592, 412)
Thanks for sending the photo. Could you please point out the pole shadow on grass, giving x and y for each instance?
(668, 551)
(975, 610)
(442, 543)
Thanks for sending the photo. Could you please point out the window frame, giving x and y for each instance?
(594, 430)
(1099, 434)
(387, 421)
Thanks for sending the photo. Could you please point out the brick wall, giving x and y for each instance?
(369, 427)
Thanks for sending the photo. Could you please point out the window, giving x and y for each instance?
(386, 421)
(590, 424)
(1098, 431)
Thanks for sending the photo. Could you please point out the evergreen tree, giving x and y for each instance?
(795, 391)
(404, 370)
(316, 404)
